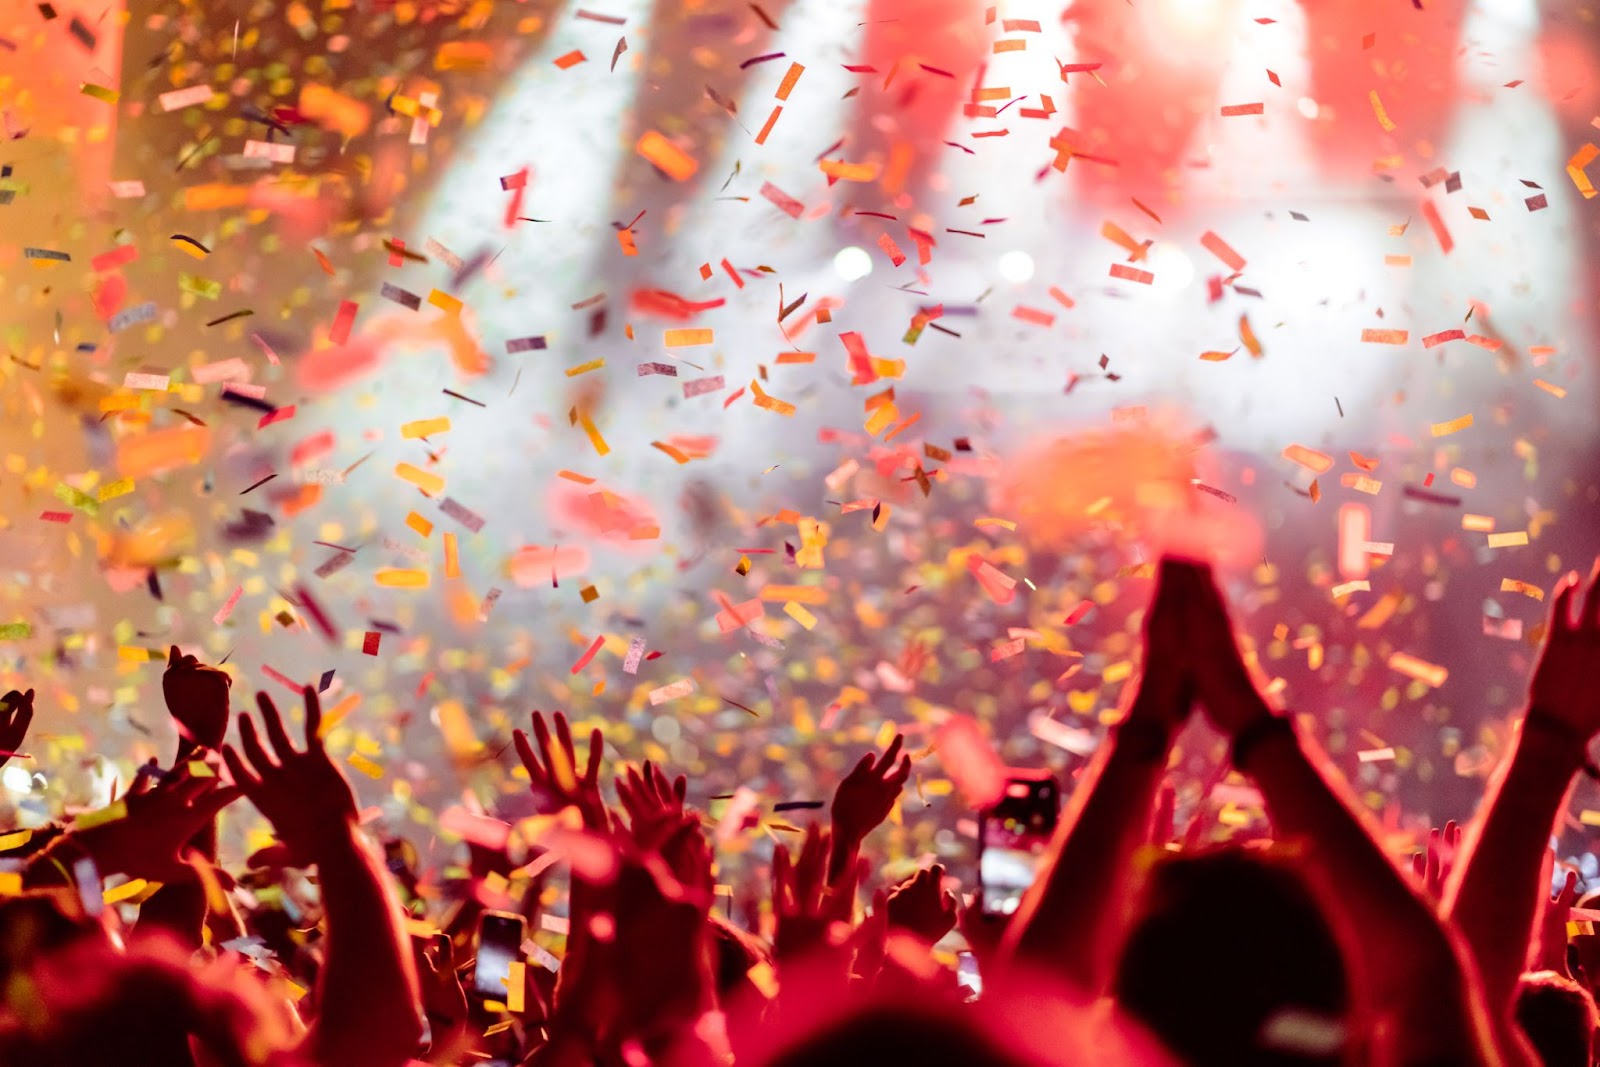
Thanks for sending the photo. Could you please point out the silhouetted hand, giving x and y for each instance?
(653, 803)
(160, 818)
(444, 1001)
(867, 794)
(303, 794)
(921, 905)
(553, 771)
(1224, 683)
(16, 715)
(804, 906)
(1552, 946)
(1163, 694)
(1564, 692)
(1432, 865)
(197, 697)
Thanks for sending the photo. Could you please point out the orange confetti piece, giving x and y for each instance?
(1309, 458)
(424, 428)
(666, 156)
(790, 79)
(1216, 356)
(400, 578)
(1578, 164)
(1440, 232)
(1002, 588)
(571, 59)
(1233, 110)
(1385, 337)
(1444, 429)
(452, 557)
(1132, 274)
(162, 450)
(772, 120)
(1429, 674)
(771, 403)
(334, 110)
(850, 172)
(1554, 390)
(1222, 250)
(1247, 337)
(429, 483)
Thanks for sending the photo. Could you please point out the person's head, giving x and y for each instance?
(733, 953)
(1231, 961)
(1558, 1015)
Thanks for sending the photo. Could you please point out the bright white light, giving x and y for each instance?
(1016, 267)
(1172, 267)
(17, 779)
(1308, 107)
(852, 263)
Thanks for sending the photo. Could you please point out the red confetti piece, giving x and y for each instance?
(1232, 110)
(583, 660)
(339, 333)
(1431, 213)
(370, 641)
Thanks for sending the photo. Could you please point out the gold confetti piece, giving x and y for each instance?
(1510, 539)
(1359, 585)
(112, 490)
(584, 368)
(1385, 337)
(1477, 523)
(987, 521)
(1511, 585)
(1247, 337)
(420, 524)
(15, 840)
(110, 813)
(685, 338)
(771, 403)
(429, 483)
(364, 765)
(799, 614)
(1576, 167)
(398, 578)
(1429, 674)
(126, 891)
(425, 427)
(850, 172)
(1382, 115)
(100, 92)
(1445, 429)
(666, 156)
(444, 302)
(1554, 390)
(593, 432)
(1375, 755)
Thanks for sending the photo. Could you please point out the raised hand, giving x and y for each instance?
(865, 797)
(197, 697)
(654, 803)
(1162, 698)
(921, 905)
(16, 715)
(804, 904)
(158, 822)
(1564, 694)
(1552, 946)
(1433, 864)
(553, 770)
(1224, 682)
(444, 1002)
(303, 794)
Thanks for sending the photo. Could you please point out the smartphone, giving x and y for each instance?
(500, 936)
(967, 975)
(1012, 835)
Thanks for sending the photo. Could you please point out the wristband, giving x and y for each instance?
(1255, 732)
(1557, 729)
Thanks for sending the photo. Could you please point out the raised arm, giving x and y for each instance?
(1495, 891)
(864, 799)
(1074, 918)
(367, 1004)
(1408, 965)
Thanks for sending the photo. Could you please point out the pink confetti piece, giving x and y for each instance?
(969, 760)
(1433, 340)
(583, 660)
(680, 688)
(339, 333)
(630, 665)
(701, 386)
(227, 609)
(282, 679)
(783, 201)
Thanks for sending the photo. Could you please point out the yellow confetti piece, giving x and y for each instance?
(1578, 164)
(1511, 539)
(10, 883)
(100, 92)
(126, 891)
(516, 986)
(15, 840)
(420, 524)
(1377, 110)
(771, 403)
(1589, 818)
(585, 368)
(333, 715)
(425, 428)
(1477, 523)
(599, 443)
(799, 614)
(133, 654)
(88, 820)
(431, 484)
(1429, 674)
(402, 578)
(685, 338)
(990, 521)
(112, 490)
(1445, 429)
(364, 765)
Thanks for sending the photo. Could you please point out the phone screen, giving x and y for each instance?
(1014, 833)
(499, 945)
(967, 973)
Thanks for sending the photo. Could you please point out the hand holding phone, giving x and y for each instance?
(1012, 836)
(500, 937)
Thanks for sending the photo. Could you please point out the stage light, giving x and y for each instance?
(852, 263)
(1016, 267)
(1173, 268)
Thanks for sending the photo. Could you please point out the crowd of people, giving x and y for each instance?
(126, 942)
